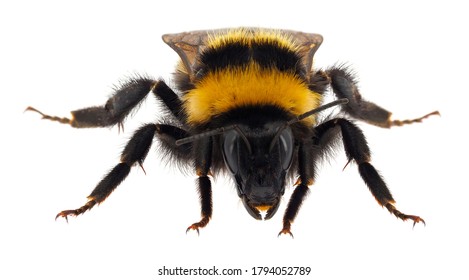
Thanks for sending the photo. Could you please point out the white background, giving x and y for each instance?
(411, 58)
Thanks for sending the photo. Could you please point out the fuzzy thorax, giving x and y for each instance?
(223, 90)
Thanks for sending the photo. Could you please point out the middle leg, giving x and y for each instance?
(134, 152)
(356, 149)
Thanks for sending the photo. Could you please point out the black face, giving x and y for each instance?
(259, 160)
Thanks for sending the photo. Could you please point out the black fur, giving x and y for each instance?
(267, 55)
(230, 55)
(274, 56)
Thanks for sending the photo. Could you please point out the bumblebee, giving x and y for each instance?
(247, 102)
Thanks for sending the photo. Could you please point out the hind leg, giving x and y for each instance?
(120, 104)
(344, 86)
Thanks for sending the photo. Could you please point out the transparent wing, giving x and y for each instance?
(308, 44)
(188, 45)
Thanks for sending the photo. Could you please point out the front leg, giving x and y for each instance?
(306, 178)
(203, 159)
(345, 86)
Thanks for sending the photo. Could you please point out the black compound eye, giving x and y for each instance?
(231, 150)
(286, 148)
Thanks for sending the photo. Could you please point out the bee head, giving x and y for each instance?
(259, 159)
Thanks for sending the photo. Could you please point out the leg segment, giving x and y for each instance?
(306, 172)
(170, 99)
(309, 153)
(168, 134)
(356, 149)
(118, 107)
(135, 151)
(126, 98)
(345, 86)
(203, 158)
(299, 194)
